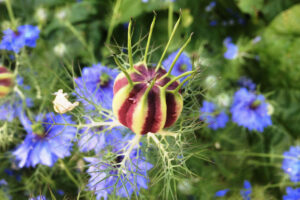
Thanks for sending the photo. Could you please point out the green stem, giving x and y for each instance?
(69, 174)
(81, 39)
(149, 38)
(113, 21)
(168, 44)
(170, 19)
(177, 56)
(11, 14)
(182, 83)
(129, 45)
(123, 70)
(176, 78)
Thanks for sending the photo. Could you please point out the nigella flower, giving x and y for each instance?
(221, 193)
(45, 141)
(250, 110)
(183, 64)
(291, 163)
(232, 49)
(246, 192)
(96, 138)
(246, 83)
(104, 178)
(215, 119)
(25, 35)
(95, 86)
(292, 194)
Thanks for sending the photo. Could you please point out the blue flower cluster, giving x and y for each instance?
(46, 141)
(245, 192)
(25, 35)
(291, 163)
(292, 194)
(95, 86)
(215, 119)
(105, 178)
(250, 110)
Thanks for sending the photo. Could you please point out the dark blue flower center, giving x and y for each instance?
(38, 129)
(255, 104)
(183, 67)
(104, 80)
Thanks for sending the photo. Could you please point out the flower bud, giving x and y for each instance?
(150, 102)
(6, 81)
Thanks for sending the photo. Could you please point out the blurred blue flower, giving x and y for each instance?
(45, 142)
(3, 182)
(247, 83)
(256, 39)
(104, 178)
(292, 194)
(291, 163)
(250, 110)
(95, 86)
(213, 23)
(183, 64)
(215, 119)
(41, 197)
(25, 35)
(14, 106)
(246, 192)
(210, 6)
(221, 193)
(232, 51)
(96, 139)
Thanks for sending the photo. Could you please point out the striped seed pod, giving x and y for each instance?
(6, 81)
(150, 103)
(148, 99)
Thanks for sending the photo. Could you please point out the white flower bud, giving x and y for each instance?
(185, 187)
(60, 49)
(223, 99)
(211, 81)
(41, 14)
(61, 14)
(61, 104)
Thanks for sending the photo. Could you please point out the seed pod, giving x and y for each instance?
(146, 105)
(6, 81)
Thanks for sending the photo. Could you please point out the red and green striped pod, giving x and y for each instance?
(6, 81)
(146, 105)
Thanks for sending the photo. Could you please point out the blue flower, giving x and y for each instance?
(211, 116)
(232, 49)
(246, 192)
(250, 110)
(246, 83)
(292, 194)
(97, 139)
(221, 193)
(45, 142)
(183, 64)
(291, 163)
(104, 178)
(213, 23)
(26, 35)
(95, 87)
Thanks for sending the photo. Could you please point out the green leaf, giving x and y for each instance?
(250, 6)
